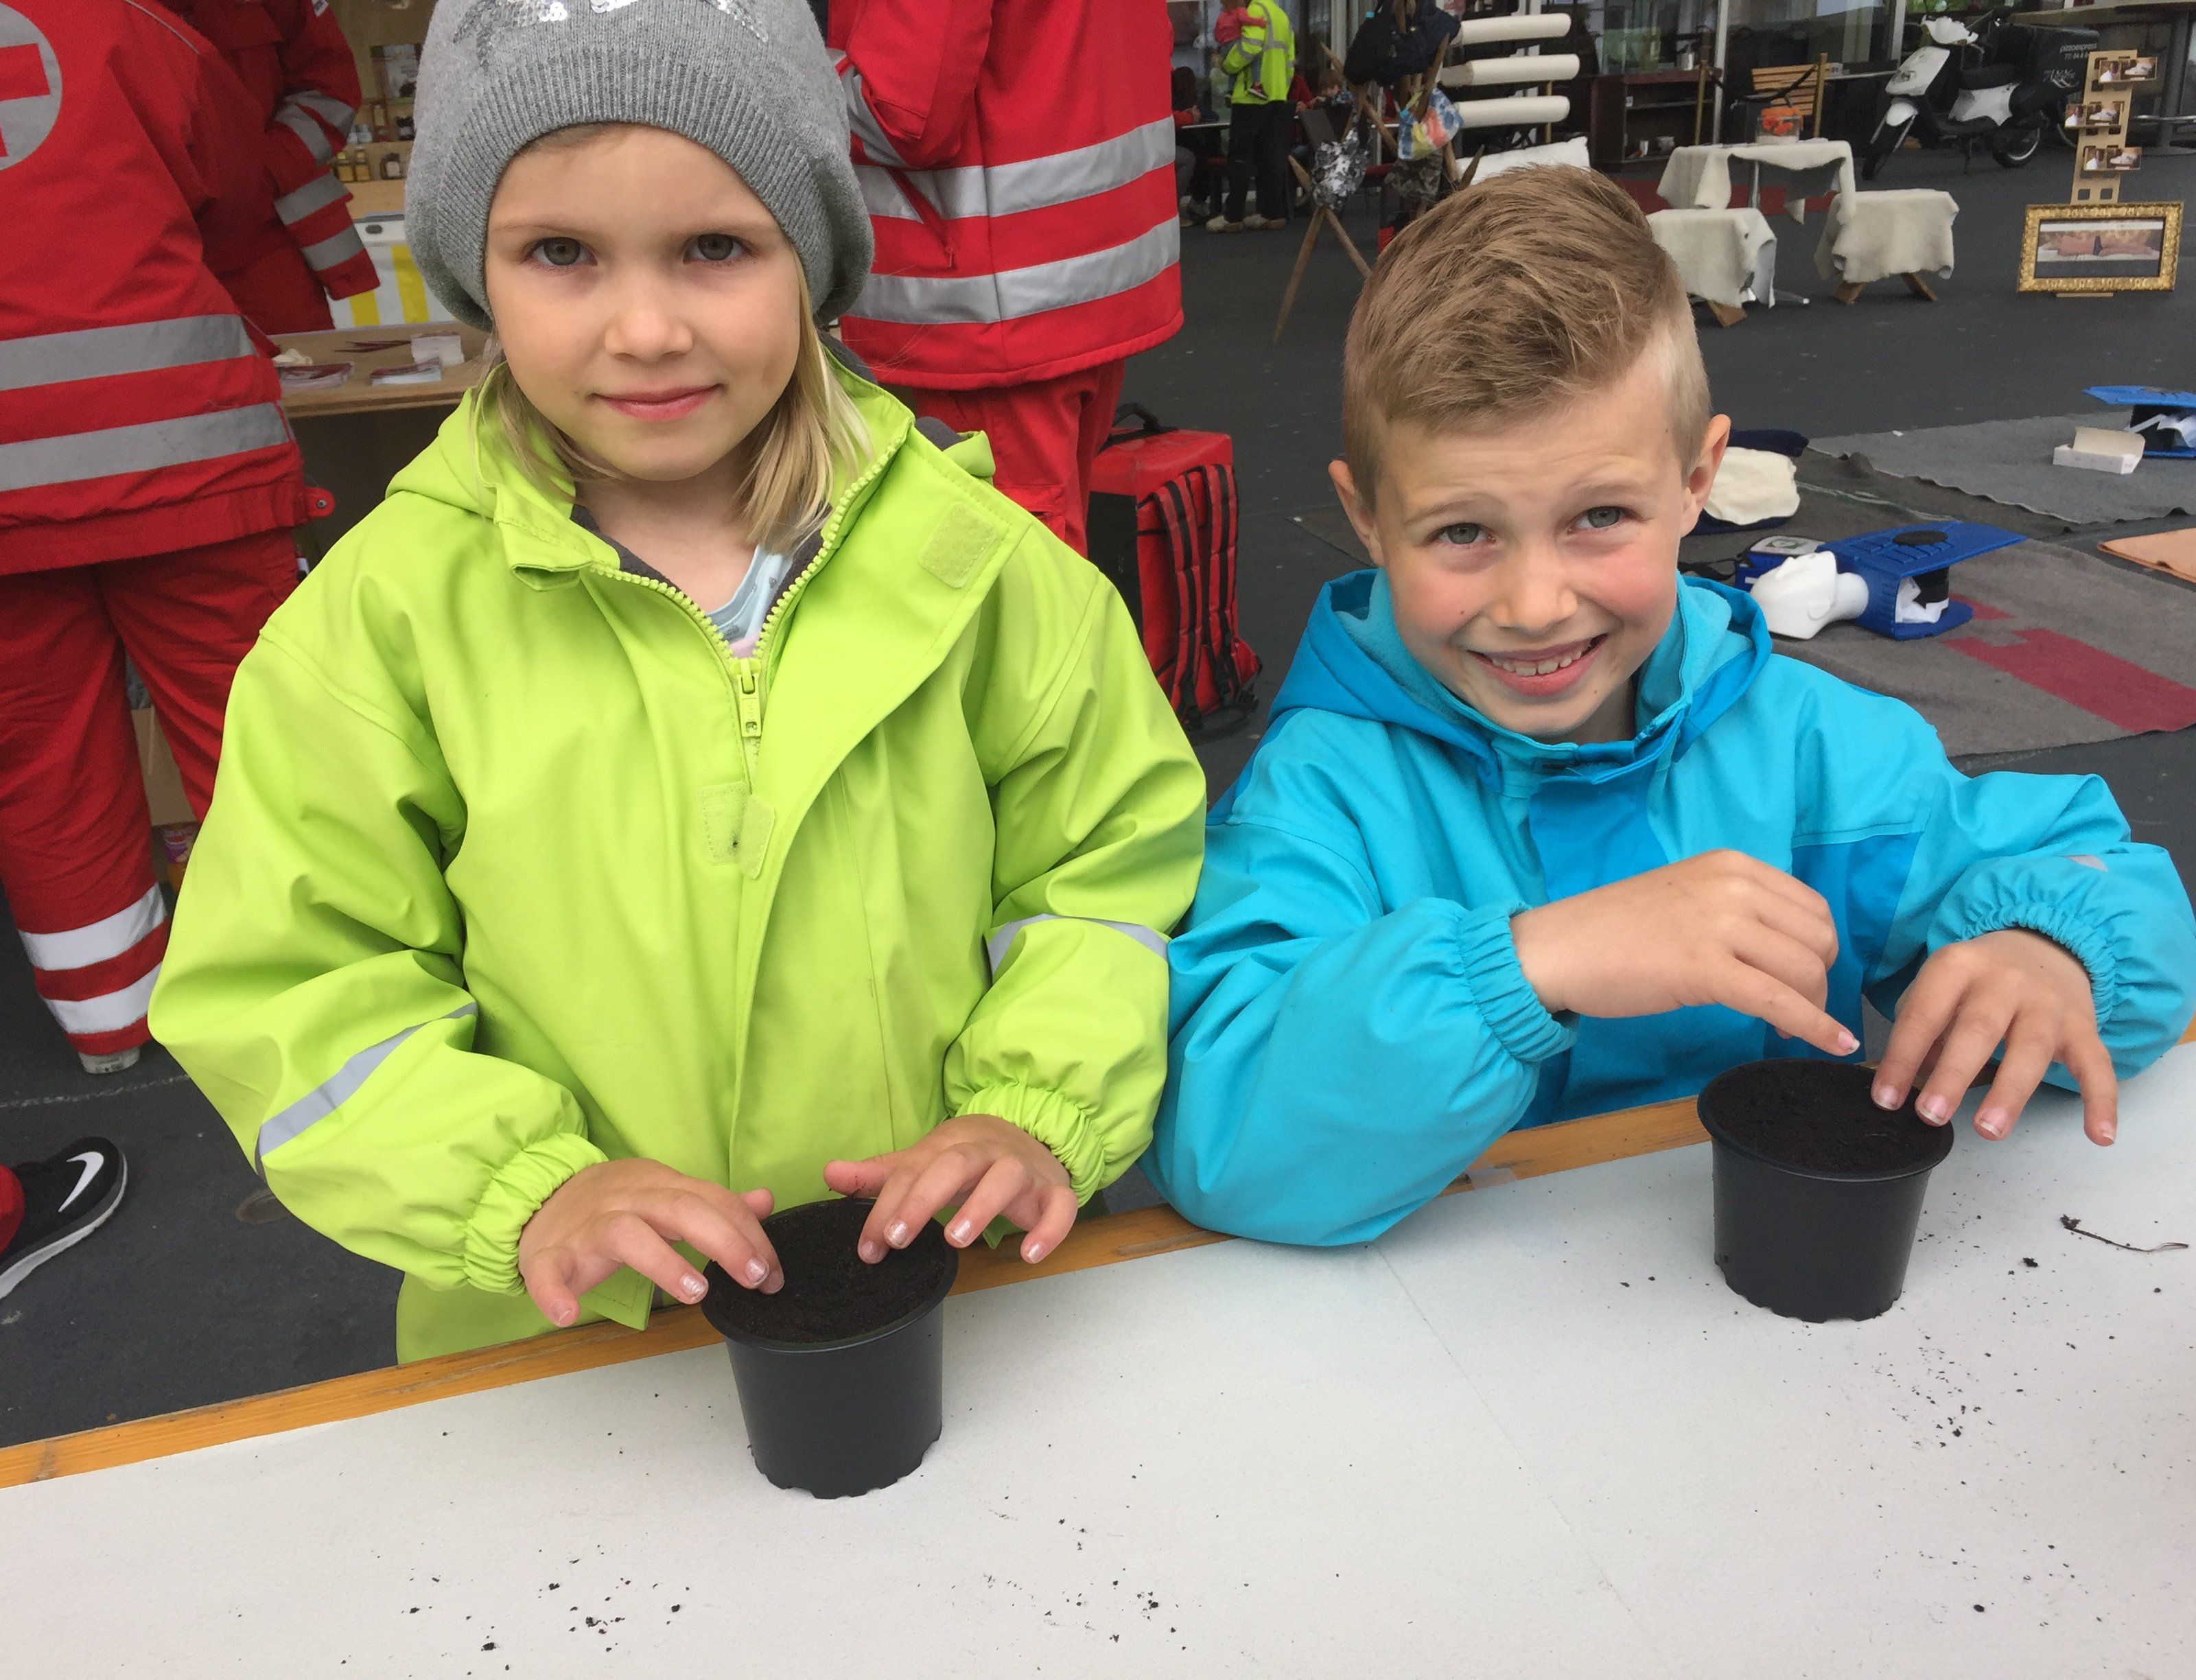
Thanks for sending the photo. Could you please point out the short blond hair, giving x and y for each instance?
(1513, 297)
(787, 465)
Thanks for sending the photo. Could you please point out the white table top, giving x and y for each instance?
(1698, 177)
(1529, 1434)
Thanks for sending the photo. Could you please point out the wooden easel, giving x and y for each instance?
(1321, 216)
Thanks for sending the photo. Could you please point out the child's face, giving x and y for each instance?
(648, 301)
(1533, 567)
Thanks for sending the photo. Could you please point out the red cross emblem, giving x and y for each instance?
(29, 87)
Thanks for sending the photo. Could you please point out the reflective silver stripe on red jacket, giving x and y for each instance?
(1005, 189)
(74, 456)
(95, 352)
(1011, 293)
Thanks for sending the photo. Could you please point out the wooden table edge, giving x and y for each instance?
(1099, 1242)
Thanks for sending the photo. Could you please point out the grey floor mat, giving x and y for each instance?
(2009, 461)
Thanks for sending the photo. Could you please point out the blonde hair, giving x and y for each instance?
(787, 465)
(1514, 296)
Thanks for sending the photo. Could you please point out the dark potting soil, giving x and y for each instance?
(830, 1292)
(1819, 1116)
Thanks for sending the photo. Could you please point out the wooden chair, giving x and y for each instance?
(1796, 87)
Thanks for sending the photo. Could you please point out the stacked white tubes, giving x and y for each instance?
(1539, 69)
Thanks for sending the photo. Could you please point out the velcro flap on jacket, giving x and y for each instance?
(735, 827)
(958, 546)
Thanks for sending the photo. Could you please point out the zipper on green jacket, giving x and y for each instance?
(750, 677)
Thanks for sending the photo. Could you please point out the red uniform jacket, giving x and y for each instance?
(137, 415)
(1017, 157)
(293, 58)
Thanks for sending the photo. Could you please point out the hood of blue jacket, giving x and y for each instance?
(1352, 662)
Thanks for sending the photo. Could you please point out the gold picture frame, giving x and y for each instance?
(2100, 247)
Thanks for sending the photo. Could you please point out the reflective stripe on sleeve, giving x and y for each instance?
(108, 1012)
(1006, 189)
(95, 352)
(318, 194)
(335, 250)
(74, 456)
(315, 137)
(1012, 293)
(326, 107)
(861, 122)
(99, 941)
(996, 947)
(324, 1098)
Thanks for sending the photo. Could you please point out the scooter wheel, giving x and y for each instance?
(2015, 151)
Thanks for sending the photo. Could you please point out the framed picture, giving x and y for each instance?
(2110, 160)
(2100, 247)
(2115, 71)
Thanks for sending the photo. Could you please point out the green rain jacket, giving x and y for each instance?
(513, 868)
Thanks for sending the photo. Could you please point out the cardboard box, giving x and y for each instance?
(164, 782)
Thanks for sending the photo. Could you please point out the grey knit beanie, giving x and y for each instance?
(747, 78)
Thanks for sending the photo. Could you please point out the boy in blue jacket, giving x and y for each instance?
(1540, 830)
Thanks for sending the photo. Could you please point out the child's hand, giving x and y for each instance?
(1719, 928)
(2011, 987)
(979, 1161)
(627, 1213)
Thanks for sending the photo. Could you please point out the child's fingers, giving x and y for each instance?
(944, 1180)
(1052, 1225)
(722, 1227)
(1923, 1014)
(630, 1240)
(548, 1280)
(1787, 961)
(1969, 1042)
(861, 1178)
(2028, 1055)
(1812, 928)
(2091, 1064)
(1766, 998)
(1005, 1181)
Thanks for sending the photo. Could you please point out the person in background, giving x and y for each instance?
(1017, 159)
(1263, 61)
(293, 61)
(1188, 157)
(149, 484)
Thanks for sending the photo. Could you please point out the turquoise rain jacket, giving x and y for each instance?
(1351, 1027)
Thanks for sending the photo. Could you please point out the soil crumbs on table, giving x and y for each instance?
(1819, 1116)
(830, 1292)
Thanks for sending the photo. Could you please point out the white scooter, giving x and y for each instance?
(2000, 85)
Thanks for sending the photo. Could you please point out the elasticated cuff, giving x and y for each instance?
(1513, 1012)
(527, 1179)
(2087, 943)
(1060, 1125)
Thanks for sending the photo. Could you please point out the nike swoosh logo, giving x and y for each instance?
(92, 1161)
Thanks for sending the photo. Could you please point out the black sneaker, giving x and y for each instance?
(66, 1198)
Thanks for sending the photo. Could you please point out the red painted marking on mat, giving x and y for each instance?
(1984, 609)
(2121, 693)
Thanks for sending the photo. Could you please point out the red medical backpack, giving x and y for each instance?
(1162, 525)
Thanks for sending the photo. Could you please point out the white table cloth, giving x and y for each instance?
(1530, 1433)
(1871, 236)
(1727, 257)
(1699, 177)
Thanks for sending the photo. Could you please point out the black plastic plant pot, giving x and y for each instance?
(841, 1372)
(1818, 1190)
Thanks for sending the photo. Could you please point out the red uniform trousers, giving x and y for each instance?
(1044, 437)
(75, 834)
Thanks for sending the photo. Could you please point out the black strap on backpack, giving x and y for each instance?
(1185, 535)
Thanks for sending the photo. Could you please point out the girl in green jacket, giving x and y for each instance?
(693, 789)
